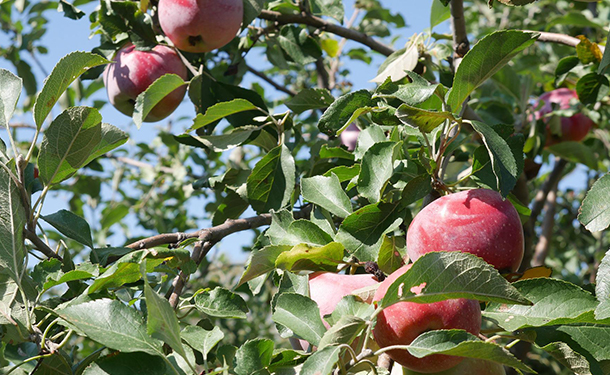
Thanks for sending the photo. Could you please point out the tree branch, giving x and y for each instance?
(213, 234)
(460, 37)
(306, 19)
(538, 204)
(560, 39)
(265, 78)
(542, 247)
(40, 245)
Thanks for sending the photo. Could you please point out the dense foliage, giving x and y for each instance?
(449, 112)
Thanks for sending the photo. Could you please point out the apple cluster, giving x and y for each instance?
(475, 221)
(191, 25)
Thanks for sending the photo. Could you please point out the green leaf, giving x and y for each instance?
(224, 142)
(252, 356)
(565, 65)
(68, 142)
(327, 152)
(310, 99)
(391, 254)
(485, 58)
(377, 168)
(149, 98)
(338, 114)
(301, 315)
(546, 294)
(161, 321)
(416, 189)
(112, 324)
(439, 13)
(331, 8)
(12, 224)
(602, 288)
(605, 59)
(10, 90)
(350, 305)
(452, 275)
(570, 358)
(327, 193)
(362, 232)
(344, 173)
(71, 225)
(321, 362)
(592, 88)
(590, 340)
(502, 159)
(306, 257)
(222, 110)
(345, 331)
(82, 271)
(575, 152)
(367, 138)
(463, 344)
(252, 8)
(261, 261)
(271, 183)
(126, 364)
(64, 73)
(70, 10)
(422, 119)
(127, 268)
(200, 339)
(297, 43)
(416, 92)
(221, 303)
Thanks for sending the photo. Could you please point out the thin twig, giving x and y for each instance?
(542, 247)
(334, 65)
(559, 39)
(265, 78)
(200, 250)
(319, 23)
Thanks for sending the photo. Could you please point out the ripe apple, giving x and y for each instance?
(349, 137)
(200, 25)
(327, 289)
(469, 366)
(573, 128)
(402, 322)
(133, 71)
(475, 221)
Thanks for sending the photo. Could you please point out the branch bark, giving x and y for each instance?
(306, 19)
(41, 246)
(460, 37)
(559, 39)
(542, 247)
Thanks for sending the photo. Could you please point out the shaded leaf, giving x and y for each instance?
(12, 224)
(71, 225)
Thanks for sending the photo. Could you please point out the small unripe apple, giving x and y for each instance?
(200, 25)
(475, 221)
(133, 71)
(470, 366)
(402, 322)
(573, 128)
(349, 137)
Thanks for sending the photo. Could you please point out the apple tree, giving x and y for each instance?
(456, 156)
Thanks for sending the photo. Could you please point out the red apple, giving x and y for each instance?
(327, 289)
(470, 366)
(349, 137)
(573, 128)
(200, 25)
(402, 322)
(133, 71)
(476, 221)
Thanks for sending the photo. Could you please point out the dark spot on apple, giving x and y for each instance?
(194, 40)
